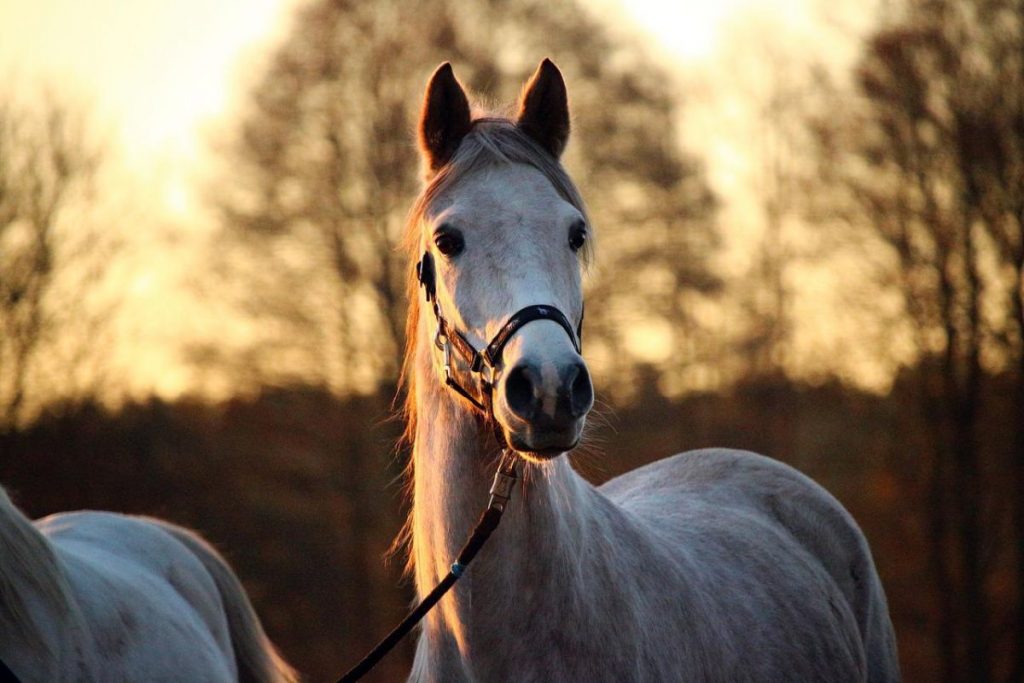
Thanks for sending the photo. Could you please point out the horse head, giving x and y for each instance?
(502, 234)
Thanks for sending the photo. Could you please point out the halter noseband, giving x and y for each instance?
(483, 363)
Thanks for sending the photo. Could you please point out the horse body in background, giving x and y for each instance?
(96, 596)
(713, 565)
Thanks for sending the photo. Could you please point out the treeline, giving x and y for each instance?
(302, 489)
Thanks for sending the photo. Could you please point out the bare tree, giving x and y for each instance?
(47, 172)
(929, 160)
(777, 84)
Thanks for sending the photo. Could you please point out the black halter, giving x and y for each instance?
(483, 363)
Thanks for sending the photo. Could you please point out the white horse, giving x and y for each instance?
(90, 597)
(713, 565)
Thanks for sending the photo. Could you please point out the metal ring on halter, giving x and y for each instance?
(441, 342)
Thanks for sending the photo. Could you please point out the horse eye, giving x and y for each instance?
(577, 236)
(449, 241)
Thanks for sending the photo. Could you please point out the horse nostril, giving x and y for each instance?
(519, 391)
(581, 392)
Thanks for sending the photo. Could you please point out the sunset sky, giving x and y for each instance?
(158, 70)
(162, 76)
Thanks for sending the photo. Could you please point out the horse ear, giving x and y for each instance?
(544, 109)
(445, 118)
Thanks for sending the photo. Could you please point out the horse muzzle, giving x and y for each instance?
(542, 407)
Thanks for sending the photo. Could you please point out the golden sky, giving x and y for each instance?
(158, 72)
(160, 75)
(158, 69)
(155, 68)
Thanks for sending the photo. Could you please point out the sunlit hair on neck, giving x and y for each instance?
(493, 140)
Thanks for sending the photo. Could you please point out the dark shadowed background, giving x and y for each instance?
(810, 228)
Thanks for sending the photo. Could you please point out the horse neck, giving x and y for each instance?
(33, 590)
(541, 532)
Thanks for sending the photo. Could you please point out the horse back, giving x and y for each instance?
(151, 609)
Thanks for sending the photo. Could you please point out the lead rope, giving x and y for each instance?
(501, 492)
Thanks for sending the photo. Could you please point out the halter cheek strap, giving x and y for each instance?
(448, 338)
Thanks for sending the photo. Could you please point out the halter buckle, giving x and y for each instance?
(441, 342)
(504, 480)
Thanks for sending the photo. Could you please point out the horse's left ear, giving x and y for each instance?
(544, 109)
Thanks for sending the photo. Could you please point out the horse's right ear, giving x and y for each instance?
(445, 118)
(544, 109)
